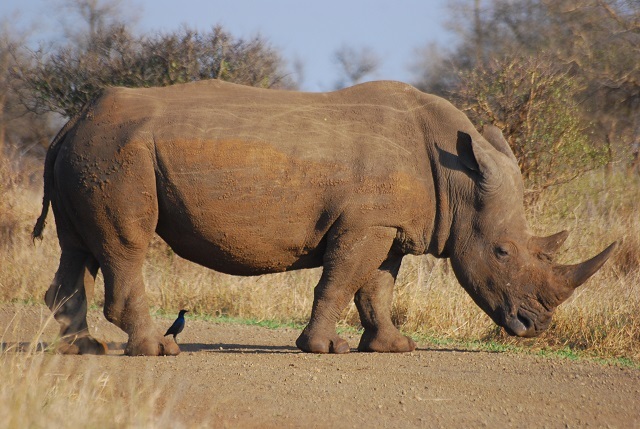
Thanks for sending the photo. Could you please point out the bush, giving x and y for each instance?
(532, 102)
(65, 79)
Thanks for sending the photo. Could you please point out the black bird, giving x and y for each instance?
(177, 326)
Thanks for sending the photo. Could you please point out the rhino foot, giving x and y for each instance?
(86, 345)
(322, 344)
(389, 342)
(152, 347)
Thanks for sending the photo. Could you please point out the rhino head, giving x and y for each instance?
(506, 270)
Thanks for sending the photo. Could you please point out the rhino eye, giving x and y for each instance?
(502, 253)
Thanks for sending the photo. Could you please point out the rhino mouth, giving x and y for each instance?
(522, 324)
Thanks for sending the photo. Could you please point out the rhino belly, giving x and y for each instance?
(243, 211)
(235, 239)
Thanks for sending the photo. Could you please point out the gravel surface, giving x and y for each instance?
(245, 376)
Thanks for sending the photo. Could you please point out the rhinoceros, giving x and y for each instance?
(250, 181)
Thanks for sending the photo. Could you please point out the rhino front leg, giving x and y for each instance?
(319, 336)
(350, 260)
(67, 299)
(373, 301)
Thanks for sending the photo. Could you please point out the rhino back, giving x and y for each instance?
(250, 177)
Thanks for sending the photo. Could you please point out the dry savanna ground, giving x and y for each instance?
(234, 375)
(466, 371)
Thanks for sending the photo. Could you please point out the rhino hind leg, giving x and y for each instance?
(350, 259)
(123, 224)
(373, 301)
(126, 307)
(112, 212)
(68, 296)
(125, 298)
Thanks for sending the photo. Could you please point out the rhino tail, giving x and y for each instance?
(49, 162)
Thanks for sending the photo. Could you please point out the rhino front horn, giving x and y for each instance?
(575, 275)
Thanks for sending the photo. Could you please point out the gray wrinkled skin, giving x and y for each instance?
(250, 181)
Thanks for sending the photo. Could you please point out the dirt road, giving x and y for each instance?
(244, 376)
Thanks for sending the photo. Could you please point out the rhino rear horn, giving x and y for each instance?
(550, 245)
(575, 275)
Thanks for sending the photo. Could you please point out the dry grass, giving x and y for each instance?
(34, 395)
(603, 317)
(45, 390)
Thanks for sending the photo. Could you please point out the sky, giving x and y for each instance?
(307, 31)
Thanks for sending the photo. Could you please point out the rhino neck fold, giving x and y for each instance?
(443, 213)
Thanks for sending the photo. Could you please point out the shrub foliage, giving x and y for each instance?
(533, 103)
(64, 79)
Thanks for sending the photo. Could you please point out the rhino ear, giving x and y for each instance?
(493, 135)
(478, 159)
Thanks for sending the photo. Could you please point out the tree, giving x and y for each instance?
(65, 79)
(605, 51)
(595, 43)
(531, 101)
(5, 60)
(106, 53)
(434, 69)
(21, 131)
(354, 65)
(486, 29)
(96, 15)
